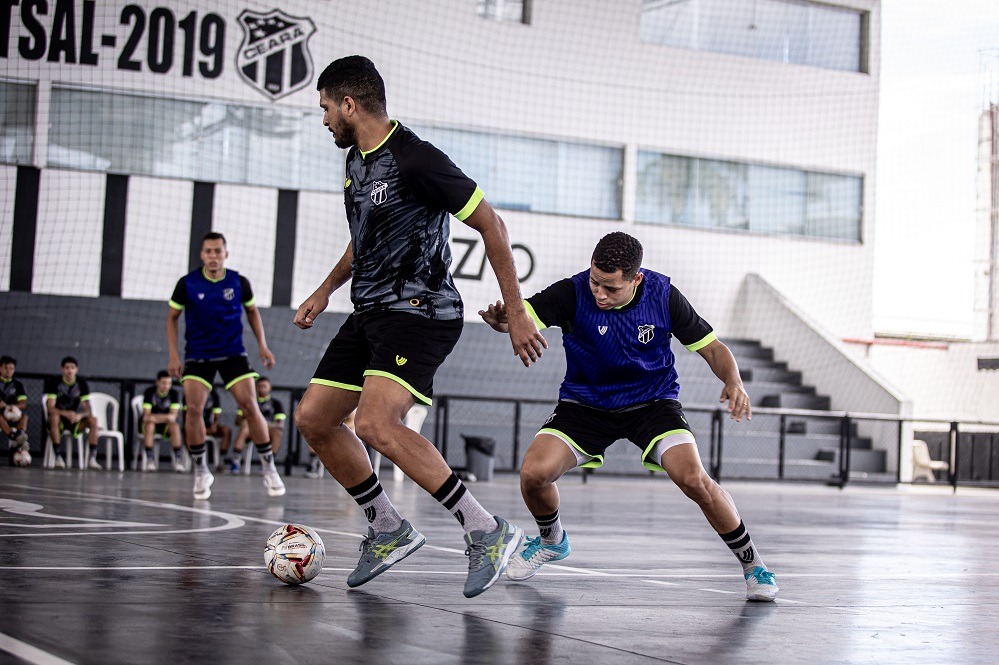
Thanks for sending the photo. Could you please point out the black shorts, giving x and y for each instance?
(407, 348)
(163, 429)
(232, 370)
(653, 427)
(76, 429)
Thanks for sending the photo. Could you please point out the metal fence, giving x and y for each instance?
(835, 447)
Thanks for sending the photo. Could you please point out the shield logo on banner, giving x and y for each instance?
(646, 333)
(274, 57)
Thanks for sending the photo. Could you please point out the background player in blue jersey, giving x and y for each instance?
(13, 406)
(399, 194)
(213, 299)
(620, 383)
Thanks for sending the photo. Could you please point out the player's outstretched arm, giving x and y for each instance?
(257, 326)
(315, 304)
(495, 316)
(527, 342)
(722, 363)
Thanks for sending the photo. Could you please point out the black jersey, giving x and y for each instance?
(157, 403)
(398, 197)
(271, 409)
(12, 392)
(67, 396)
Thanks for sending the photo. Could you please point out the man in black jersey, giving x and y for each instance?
(399, 193)
(617, 320)
(67, 398)
(13, 405)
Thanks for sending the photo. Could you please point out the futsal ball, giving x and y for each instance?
(294, 553)
(12, 414)
(22, 457)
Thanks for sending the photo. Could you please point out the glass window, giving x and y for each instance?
(764, 199)
(779, 30)
(207, 141)
(518, 173)
(17, 123)
(515, 11)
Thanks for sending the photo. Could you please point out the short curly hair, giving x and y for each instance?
(618, 251)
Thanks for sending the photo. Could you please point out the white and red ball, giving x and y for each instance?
(294, 553)
(12, 414)
(22, 457)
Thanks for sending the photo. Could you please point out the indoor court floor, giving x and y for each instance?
(103, 567)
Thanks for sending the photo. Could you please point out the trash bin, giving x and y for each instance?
(480, 456)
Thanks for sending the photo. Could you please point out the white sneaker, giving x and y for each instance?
(150, 464)
(761, 585)
(273, 482)
(94, 464)
(203, 484)
(315, 470)
(60, 463)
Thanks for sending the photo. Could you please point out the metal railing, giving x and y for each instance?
(516, 421)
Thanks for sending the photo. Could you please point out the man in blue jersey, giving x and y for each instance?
(620, 383)
(213, 299)
(399, 194)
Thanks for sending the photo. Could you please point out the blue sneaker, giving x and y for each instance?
(535, 554)
(761, 585)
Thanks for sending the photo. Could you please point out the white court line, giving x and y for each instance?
(28, 653)
(111, 568)
(716, 591)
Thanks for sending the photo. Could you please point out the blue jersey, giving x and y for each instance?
(213, 313)
(620, 358)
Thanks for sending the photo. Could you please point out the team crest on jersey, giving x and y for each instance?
(646, 333)
(602, 330)
(378, 192)
(274, 57)
(228, 294)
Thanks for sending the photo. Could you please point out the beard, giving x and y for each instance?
(344, 135)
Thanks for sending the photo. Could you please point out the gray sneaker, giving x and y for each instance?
(379, 552)
(488, 555)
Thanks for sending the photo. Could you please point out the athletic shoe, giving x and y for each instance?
(234, 467)
(60, 463)
(315, 469)
(203, 484)
(761, 585)
(92, 463)
(535, 554)
(18, 438)
(273, 482)
(379, 552)
(149, 464)
(488, 555)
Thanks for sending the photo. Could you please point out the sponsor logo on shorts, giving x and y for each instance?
(400, 361)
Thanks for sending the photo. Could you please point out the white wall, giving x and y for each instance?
(8, 181)
(157, 237)
(579, 71)
(69, 235)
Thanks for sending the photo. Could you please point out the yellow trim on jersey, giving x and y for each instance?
(402, 382)
(596, 461)
(534, 315)
(176, 305)
(697, 346)
(249, 303)
(652, 466)
(473, 203)
(395, 126)
(336, 384)
(280, 416)
(213, 281)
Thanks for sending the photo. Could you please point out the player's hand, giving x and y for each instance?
(174, 367)
(738, 401)
(266, 357)
(495, 316)
(527, 341)
(307, 312)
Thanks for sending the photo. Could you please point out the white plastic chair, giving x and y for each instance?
(48, 459)
(414, 421)
(104, 407)
(922, 465)
(158, 438)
